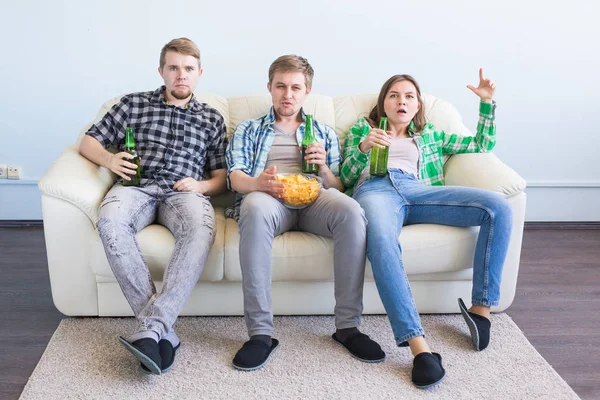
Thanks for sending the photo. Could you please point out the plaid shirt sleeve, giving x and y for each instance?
(483, 141)
(332, 148)
(355, 161)
(111, 128)
(240, 150)
(216, 149)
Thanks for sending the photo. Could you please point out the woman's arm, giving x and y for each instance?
(355, 161)
(485, 137)
(483, 141)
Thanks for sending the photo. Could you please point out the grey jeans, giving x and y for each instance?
(333, 214)
(190, 218)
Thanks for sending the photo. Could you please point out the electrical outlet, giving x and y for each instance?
(3, 171)
(14, 173)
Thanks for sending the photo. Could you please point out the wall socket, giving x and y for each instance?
(14, 173)
(3, 171)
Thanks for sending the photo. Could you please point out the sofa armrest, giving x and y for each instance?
(483, 171)
(78, 181)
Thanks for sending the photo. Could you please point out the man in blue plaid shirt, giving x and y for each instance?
(258, 150)
(180, 142)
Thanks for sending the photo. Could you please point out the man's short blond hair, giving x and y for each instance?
(183, 46)
(292, 63)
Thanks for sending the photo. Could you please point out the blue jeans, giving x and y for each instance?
(400, 199)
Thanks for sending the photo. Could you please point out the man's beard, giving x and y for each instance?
(286, 113)
(182, 94)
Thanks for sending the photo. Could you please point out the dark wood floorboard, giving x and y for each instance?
(28, 316)
(557, 303)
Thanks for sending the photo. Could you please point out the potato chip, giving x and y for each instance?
(299, 190)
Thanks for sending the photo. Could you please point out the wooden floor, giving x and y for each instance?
(557, 304)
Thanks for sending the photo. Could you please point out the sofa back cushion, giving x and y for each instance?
(339, 112)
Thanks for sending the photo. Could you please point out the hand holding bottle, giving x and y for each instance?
(118, 164)
(376, 138)
(135, 179)
(316, 154)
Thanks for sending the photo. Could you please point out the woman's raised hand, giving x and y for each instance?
(486, 88)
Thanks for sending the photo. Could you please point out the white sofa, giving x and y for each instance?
(438, 258)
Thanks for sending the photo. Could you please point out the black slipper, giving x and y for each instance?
(167, 355)
(478, 325)
(254, 354)
(362, 347)
(427, 370)
(146, 351)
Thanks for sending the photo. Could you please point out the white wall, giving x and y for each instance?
(62, 60)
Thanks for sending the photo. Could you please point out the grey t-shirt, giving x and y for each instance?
(284, 153)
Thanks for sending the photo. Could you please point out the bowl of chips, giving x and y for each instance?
(300, 190)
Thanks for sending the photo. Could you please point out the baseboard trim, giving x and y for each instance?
(558, 225)
(7, 223)
(563, 184)
(12, 223)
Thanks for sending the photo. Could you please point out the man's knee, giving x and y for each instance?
(107, 230)
(355, 213)
(110, 214)
(257, 207)
(348, 212)
(205, 219)
(196, 222)
(200, 234)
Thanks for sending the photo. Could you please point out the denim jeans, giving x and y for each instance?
(190, 218)
(333, 214)
(400, 199)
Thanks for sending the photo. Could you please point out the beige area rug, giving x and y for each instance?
(85, 361)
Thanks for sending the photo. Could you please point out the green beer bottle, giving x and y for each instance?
(309, 138)
(379, 157)
(130, 148)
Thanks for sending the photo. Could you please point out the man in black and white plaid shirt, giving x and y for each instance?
(180, 143)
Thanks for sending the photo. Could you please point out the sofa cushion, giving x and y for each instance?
(157, 244)
(339, 112)
(301, 256)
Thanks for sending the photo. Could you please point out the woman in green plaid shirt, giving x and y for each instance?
(413, 192)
